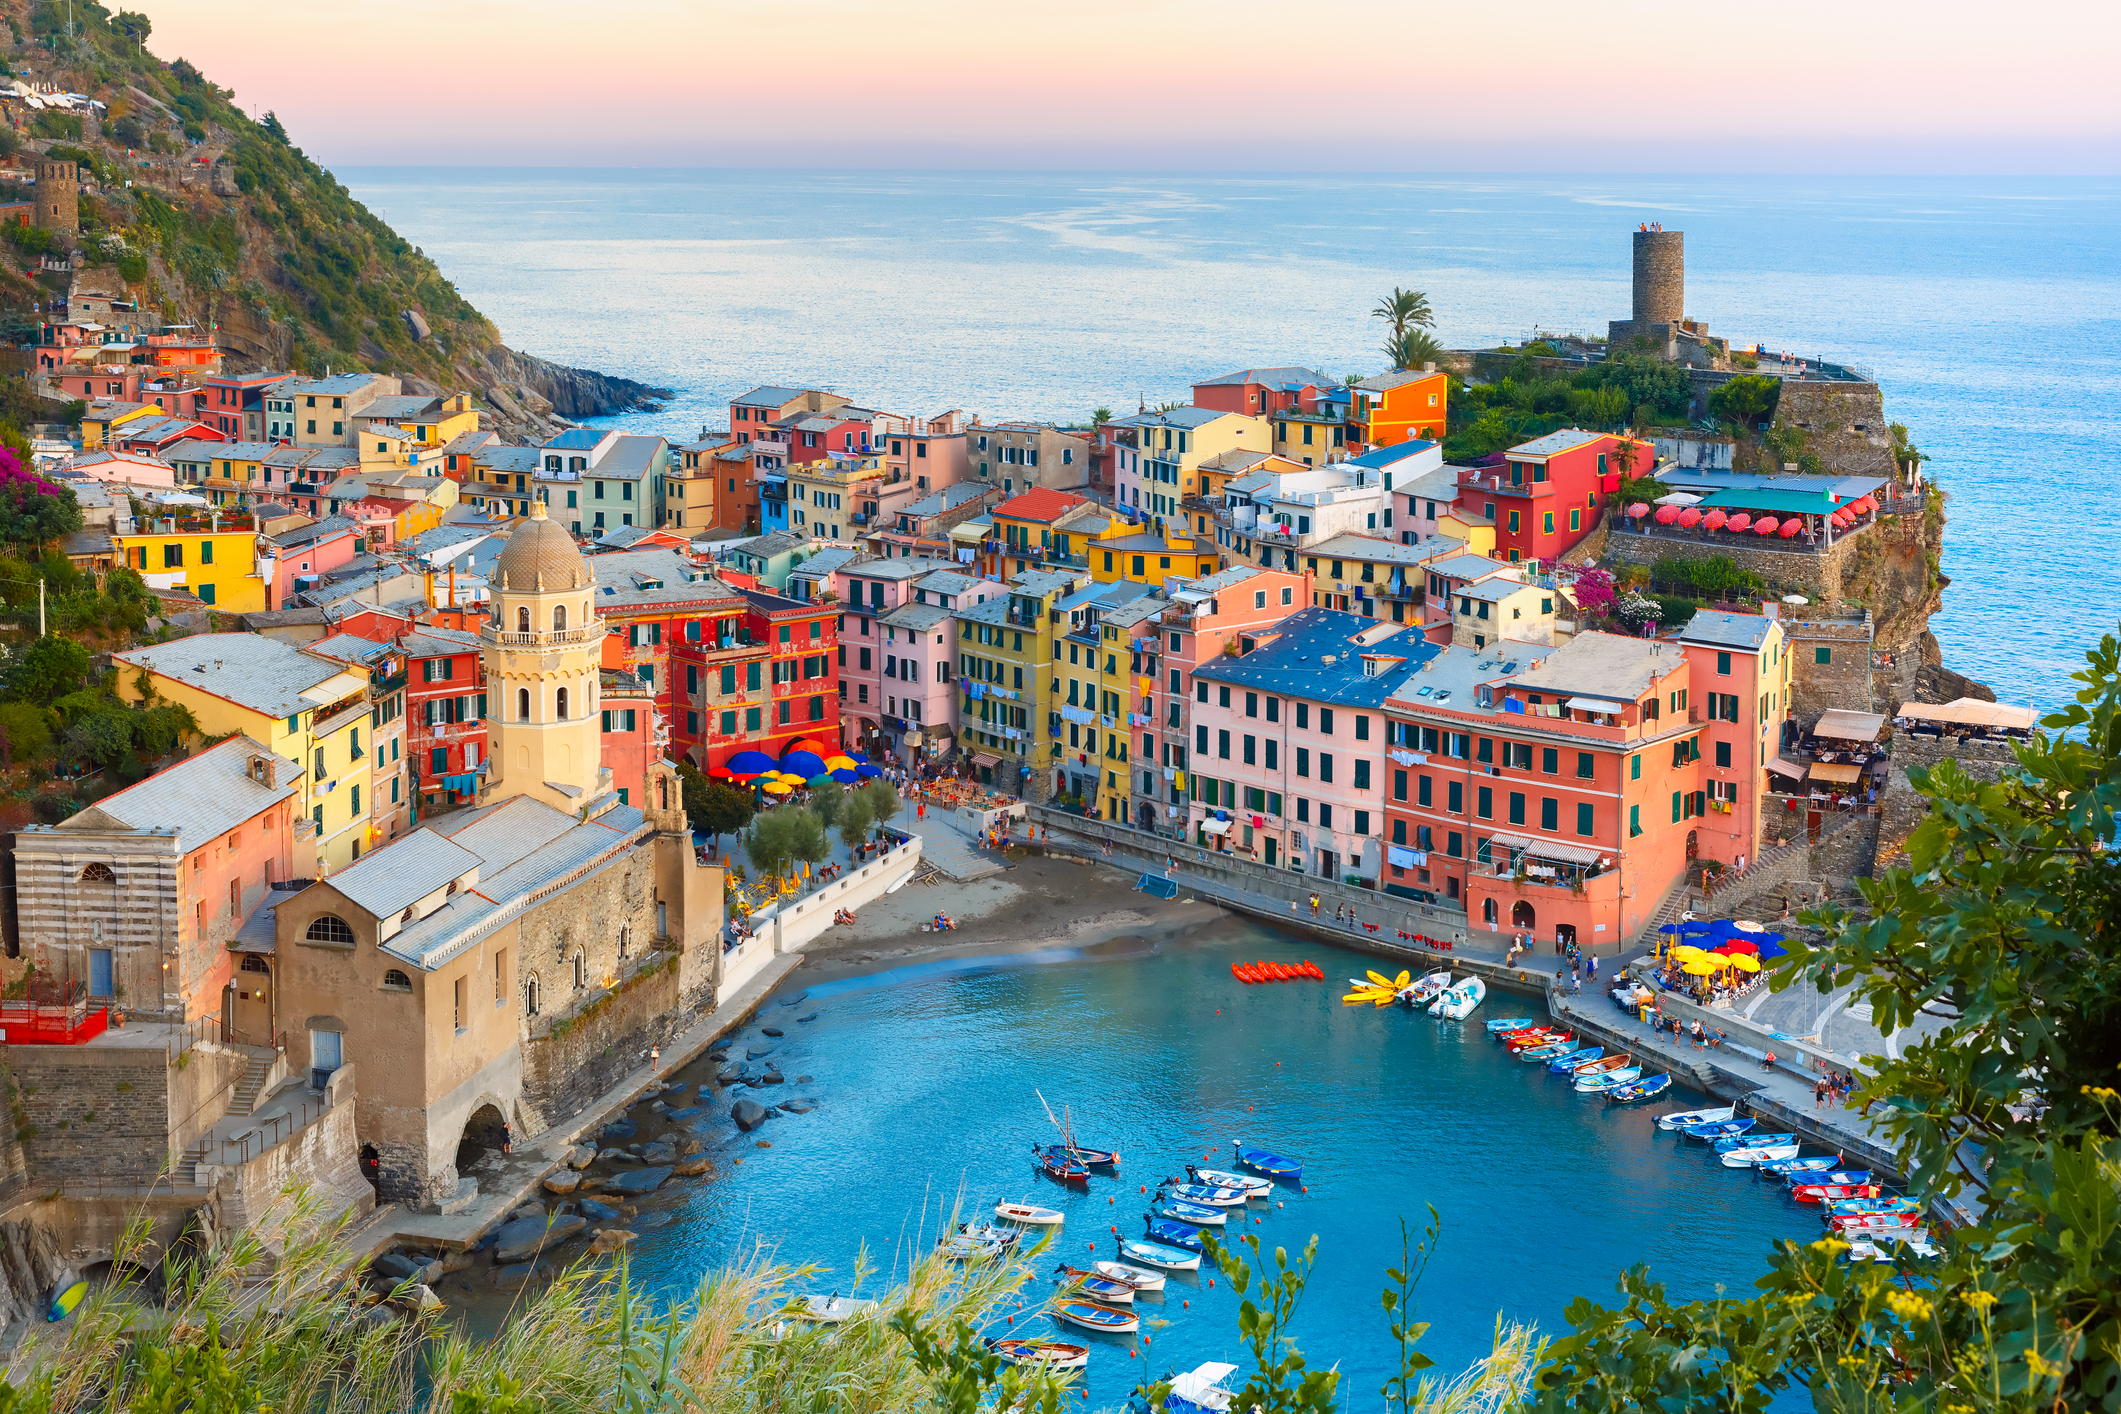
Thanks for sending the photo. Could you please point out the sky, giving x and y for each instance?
(1865, 86)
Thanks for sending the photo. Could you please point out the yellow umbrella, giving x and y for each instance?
(1745, 961)
(1701, 966)
(777, 788)
(1687, 952)
(839, 763)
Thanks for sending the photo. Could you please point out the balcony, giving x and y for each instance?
(543, 640)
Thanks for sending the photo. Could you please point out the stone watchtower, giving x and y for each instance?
(543, 648)
(58, 195)
(1660, 278)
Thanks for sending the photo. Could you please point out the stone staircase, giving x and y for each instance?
(1667, 912)
(252, 1086)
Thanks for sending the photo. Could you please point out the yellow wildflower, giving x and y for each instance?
(1908, 1306)
(1979, 1300)
(1830, 1247)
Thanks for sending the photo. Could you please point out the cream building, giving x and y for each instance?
(543, 645)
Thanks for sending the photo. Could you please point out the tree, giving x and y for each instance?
(49, 669)
(1745, 401)
(856, 820)
(1999, 929)
(768, 845)
(828, 800)
(1100, 417)
(1594, 590)
(724, 808)
(1413, 349)
(33, 511)
(806, 837)
(883, 800)
(27, 732)
(1637, 610)
(1403, 310)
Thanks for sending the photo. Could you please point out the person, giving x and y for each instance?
(1819, 1093)
(508, 1138)
(1170, 865)
(920, 810)
(1293, 903)
(1593, 967)
(1314, 905)
(1351, 920)
(1769, 1062)
(1336, 913)
(655, 1059)
(1717, 1039)
(1697, 1034)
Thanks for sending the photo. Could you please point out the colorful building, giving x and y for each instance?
(1007, 715)
(1549, 495)
(216, 559)
(1024, 533)
(1404, 406)
(1171, 446)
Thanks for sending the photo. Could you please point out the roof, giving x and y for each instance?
(766, 547)
(1495, 590)
(198, 799)
(540, 555)
(1039, 583)
(399, 875)
(1451, 677)
(434, 642)
(946, 582)
(829, 560)
(1779, 500)
(1467, 566)
(1178, 588)
(916, 618)
(1399, 377)
(1175, 417)
(1294, 662)
(1378, 458)
(1285, 378)
(1848, 488)
(1235, 460)
(400, 405)
(263, 674)
(1844, 725)
(949, 498)
(628, 458)
(1350, 545)
(338, 385)
(1554, 443)
(1746, 632)
(1040, 503)
(1973, 712)
(769, 394)
(1604, 665)
(630, 579)
(349, 648)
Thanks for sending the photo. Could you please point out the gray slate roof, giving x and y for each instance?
(260, 673)
(198, 798)
(402, 873)
(1605, 666)
(1293, 664)
(1745, 632)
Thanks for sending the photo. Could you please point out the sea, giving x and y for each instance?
(1988, 308)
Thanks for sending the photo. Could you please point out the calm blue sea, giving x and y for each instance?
(928, 1082)
(1987, 307)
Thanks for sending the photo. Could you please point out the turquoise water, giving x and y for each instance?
(926, 1078)
(1985, 305)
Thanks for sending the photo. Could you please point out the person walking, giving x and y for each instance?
(1314, 905)
(1336, 914)
(1593, 967)
(655, 1059)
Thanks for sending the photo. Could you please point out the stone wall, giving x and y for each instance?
(1844, 424)
(1816, 575)
(1903, 809)
(1844, 680)
(570, 1060)
(310, 1179)
(94, 1112)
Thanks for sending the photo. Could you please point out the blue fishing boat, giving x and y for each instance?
(1268, 1162)
(1719, 1131)
(1681, 1119)
(1563, 1064)
(1547, 1052)
(1512, 1023)
(1641, 1090)
(1090, 1158)
(1158, 1255)
(1597, 1080)
(1846, 1178)
(1213, 1194)
(1750, 1141)
(1817, 1163)
(1198, 1214)
(1173, 1234)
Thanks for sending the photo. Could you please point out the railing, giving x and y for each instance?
(27, 1023)
(269, 1132)
(538, 640)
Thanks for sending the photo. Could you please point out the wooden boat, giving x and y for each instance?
(962, 1248)
(1052, 1354)
(1456, 1003)
(1509, 1023)
(1845, 1176)
(1681, 1119)
(1599, 1080)
(1601, 1066)
(1029, 1213)
(1567, 1061)
(1874, 1207)
(1791, 1170)
(1097, 1288)
(1746, 1158)
(1252, 1183)
(827, 1310)
(1157, 1254)
(1059, 1167)
(1136, 1277)
(1173, 1234)
(1872, 1222)
(1833, 1192)
(64, 1302)
(989, 1232)
(1640, 1090)
(1200, 1390)
(1091, 1316)
(1212, 1194)
(1719, 1129)
(1091, 1158)
(1537, 1036)
(1268, 1162)
(1754, 1140)
(1198, 1214)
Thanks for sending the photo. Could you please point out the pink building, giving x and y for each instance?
(896, 659)
(296, 559)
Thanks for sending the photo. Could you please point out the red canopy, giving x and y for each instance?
(1639, 509)
(1715, 520)
(1791, 526)
(1667, 514)
(1690, 517)
(1766, 525)
(1738, 523)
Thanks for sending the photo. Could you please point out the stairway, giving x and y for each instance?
(1667, 912)
(244, 1099)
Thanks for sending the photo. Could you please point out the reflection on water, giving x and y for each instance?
(926, 1082)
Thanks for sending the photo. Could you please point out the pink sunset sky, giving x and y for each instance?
(1372, 85)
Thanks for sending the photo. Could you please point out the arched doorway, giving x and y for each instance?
(1521, 915)
(1145, 816)
(484, 1134)
(1487, 912)
(1565, 933)
(371, 1165)
(250, 1013)
(1693, 844)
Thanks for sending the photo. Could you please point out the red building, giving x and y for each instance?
(1548, 495)
(445, 703)
(803, 698)
(635, 735)
(1261, 392)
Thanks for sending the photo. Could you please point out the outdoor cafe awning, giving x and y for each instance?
(1972, 712)
(1784, 768)
(1844, 725)
(1838, 772)
(1775, 500)
(1549, 849)
(986, 758)
(1215, 827)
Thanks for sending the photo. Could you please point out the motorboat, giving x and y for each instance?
(1849, 1177)
(1419, 992)
(1640, 1090)
(1198, 1214)
(1788, 1168)
(1682, 1119)
(1200, 1390)
(1105, 1289)
(1569, 1060)
(1254, 1185)
(1172, 1233)
(1136, 1277)
(1889, 1246)
(1268, 1162)
(1874, 1208)
(1508, 1023)
(1157, 1254)
(1720, 1129)
(1599, 1080)
(1833, 1192)
(1091, 1316)
(1028, 1213)
(1750, 1141)
(1052, 1354)
(1212, 1194)
(1456, 1003)
(964, 1248)
(827, 1310)
(1746, 1158)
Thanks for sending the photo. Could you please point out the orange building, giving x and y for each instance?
(1404, 406)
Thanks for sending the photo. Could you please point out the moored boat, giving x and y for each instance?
(1833, 1192)
(1268, 1162)
(1646, 1089)
(1786, 1168)
(1681, 1119)
(1059, 1167)
(1720, 1129)
(1091, 1316)
(1172, 1233)
(1158, 1254)
(1508, 1023)
(1751, 1141)
(1200, 1390)
(1252, 1183)
(1053, 1354)
(1420, 992)
(1029, 1213)
(1746, 1158)
(1094, 1158)
(1852, 1177)
(1139, 1278)
(1874, 1207)
(1097, 1288)
(1457, 1002)
(1569, 1060)
(1215, 1195)
(1597, 1080)
(826, 1310)
(1198, 1214)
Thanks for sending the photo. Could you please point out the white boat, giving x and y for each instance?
(1746, 1158)
(1420, 993)
(1140, 1278)
(1456, 1003)
(1608, 1079)
(1680, 1119)
(1198, 1214)
(1028, 1213)
(1156, 1254)
(1052, 1354)
(965, 1249)
(1213, 1195)
(1200, 1390)
(1889, 1245)
(830, 1310)
(1254, 1184)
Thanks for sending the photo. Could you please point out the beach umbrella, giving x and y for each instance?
(1672, 928)
(839, 763)
(1766, 525)
(1791, 526)
(720, 773)
(1737, 945)
(1739, 522)
(1715, 520)
(866, 771)
(1687, 953)
(1745, 962)
(845, 777)
(804, 744)
(750, 763)
(804, 764)
(1702, 966)
(1689, 518)
(776, 787)
(821, 778)
(858, 758)
(1639, 509)
(1667, 514)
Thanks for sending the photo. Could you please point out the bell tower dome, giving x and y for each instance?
(542, 649)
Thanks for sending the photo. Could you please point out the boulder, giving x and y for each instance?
(802, 1080)
(523, 1239)
(730, 1075)
(395, 1266)
(772, 1077)
(659, 1107)
(456, 1262)
(596, 1212)
(706, 1093)
(758, 1052)
(581, 1156)
(748, 1114)
(679, 1116)
(620, 1130)
(616, 1156)
(611, 1239)
(688, 1146)
(799, 1107)
(661, 1152)
(423, 1299)
(527, 1210)
(773, 1031)
(811, 1017)
(516, 1275)
(563, 1181)
(694, 1167)
(378, 1318)
(434, 1271)
(639, 1181)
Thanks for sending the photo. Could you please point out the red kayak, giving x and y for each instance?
(1242, 973)
(1833, 1192)
(1311, 971)
(1561, 1038)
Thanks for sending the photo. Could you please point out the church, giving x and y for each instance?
(491, 972)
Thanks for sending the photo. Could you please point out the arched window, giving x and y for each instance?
(625, 937)
(98, 874)
(330, 928)
(530, 995)
(559, 618)
(581, 970)
(396, 981)
(522, 704)
(254, 963)
(523, 619)
(560, 705)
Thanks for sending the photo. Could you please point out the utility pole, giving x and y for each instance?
(40, 606)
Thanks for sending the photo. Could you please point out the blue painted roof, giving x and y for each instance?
(1293, 664)
(1378, 458)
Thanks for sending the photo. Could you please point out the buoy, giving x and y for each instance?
(1115, 1227)
(1307, 1188)
(1145, 1188)
(1145, 1340)
(1187, 1304)
(1281, 1205)
(1010, 1319)
(1211, 1281)
(1112, 1200)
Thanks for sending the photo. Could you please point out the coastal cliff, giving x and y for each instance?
(203, 216)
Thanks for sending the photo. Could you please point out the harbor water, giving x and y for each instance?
(927, 1082)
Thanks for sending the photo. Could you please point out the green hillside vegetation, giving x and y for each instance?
(1527, 402)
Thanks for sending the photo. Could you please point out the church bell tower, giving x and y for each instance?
(542, 648)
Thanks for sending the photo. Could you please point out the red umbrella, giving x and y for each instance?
(1766, 525)
(1739, 945)
(1690, 517)
(1667, 514)
(720, 773)
(1737, 523)
(1639, 509)
(1715, 520)
(1791, 526)
(1866, 506)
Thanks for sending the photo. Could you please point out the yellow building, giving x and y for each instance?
(822, 497)
(311, 711)
(100, 418)
(1161, 468)
(1005, 670)
(219, 564)
(1125, 646)
(1147, 559)
(543, 647)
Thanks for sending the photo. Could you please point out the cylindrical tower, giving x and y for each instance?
(542, 649)
(58, 195)
(1660, 278)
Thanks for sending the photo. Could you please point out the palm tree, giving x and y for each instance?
(1404, 309)
(1413, 349)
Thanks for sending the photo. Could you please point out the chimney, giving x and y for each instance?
(1428, 368)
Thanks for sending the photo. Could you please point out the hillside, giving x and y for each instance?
(219, 221)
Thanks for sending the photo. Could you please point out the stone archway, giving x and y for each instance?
(485, 1135)
(1521, 915)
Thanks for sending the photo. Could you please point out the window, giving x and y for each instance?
(1516, 807)
(1583, 819)
(1549, 761)
(1399, 786)
(1635, 767)
(1634, 820)
(1723, 665)
(1586, 766)
(1823, 656)
(1484, 803)
(396, 981)
(1222, 745)
(1421, 788)
(522, 704)
(1362, 773)
(1678, 807)
(330, 928)
(560, 705)
(1325, 767)
(1549, 813)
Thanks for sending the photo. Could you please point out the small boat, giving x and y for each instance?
(1029, 1213)
(1553, 1050)
(1198, 1214)
(1604, 1064)
(1092, 1316)
(1157, 1254)
(1059, 1167)
(1833, 1192)
(1052, 1354)
(1682, 1119)
(1641, 1090)
(1268, 1162)
(1545, 1036)
(1097, 1288)
(1569, 1060)
(1459, 1002)
(828, 1310)
(1420, 992)
(1894, 1245)
(1172, 1233)
(1378, 979)
(1093, 1158)
(1746, 1158)
(988, 1232)
(1750, 1141)
(1818, 1163)
(1200, 1390)
(1874, 1208)
(1849, 1177)
(1719, 1129)
(66, 1300)
(1214, 1195)
(1252, 1183)
(1511, 1023)
(962, 1248)
(1599, 1080)
(1120, 1272)
(1873, 1222)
